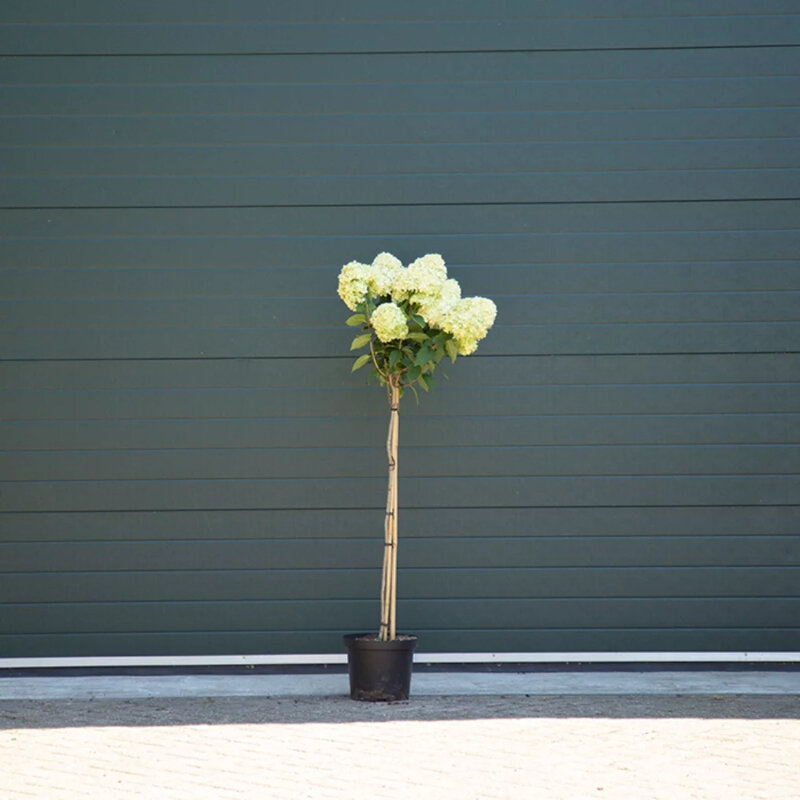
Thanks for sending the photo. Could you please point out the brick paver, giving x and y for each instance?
(470, 748)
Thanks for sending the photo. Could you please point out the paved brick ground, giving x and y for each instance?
(471, 748)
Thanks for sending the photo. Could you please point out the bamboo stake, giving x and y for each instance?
(387, 555)
(387, 544)
(388, 627)
(395, 446)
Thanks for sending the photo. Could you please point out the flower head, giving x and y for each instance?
(353, 284)
(357, 280)
(469, 321)
(434, 307)
(382, 273)
(389, 322)
(423, 277)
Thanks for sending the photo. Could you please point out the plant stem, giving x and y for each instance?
(388, 629)
(384, 375)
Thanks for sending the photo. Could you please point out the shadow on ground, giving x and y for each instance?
(17, 714)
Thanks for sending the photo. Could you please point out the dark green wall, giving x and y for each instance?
(187, 465)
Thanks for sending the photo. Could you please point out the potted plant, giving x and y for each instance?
(410, 319)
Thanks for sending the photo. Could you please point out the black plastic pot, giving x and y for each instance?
(379, 670)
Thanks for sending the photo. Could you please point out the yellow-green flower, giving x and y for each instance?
(356, 280)
(389, 322)
(423, 277)
(382, 273)
(353, 283)
(469, 321)
(435, 307)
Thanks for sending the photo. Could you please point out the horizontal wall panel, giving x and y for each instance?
(389, 69)
(533, 640)
(594, 248)
(169, 164)
(448, 614)
(276, 36)
(518, 340)
(440, 583)
(304, 493)
(549, 309)
(534, 126)
(481, 553)
(432, 430)
(32, 282)
(121, 230)
(612, 612)
(361, 462)
(367, 523)
(512, 187)
(502, 96)
(498, 400)
(206, 11)
(228, 374)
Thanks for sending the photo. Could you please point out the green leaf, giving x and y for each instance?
(413, 374)
(359, 362)
(394, 357)
(423, 382)
(418, 319)
(360, 341)
(416, 393)
(423, 356)
(418, 336)
(452, 349)
(355, 321)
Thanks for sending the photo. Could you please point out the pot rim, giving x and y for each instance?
(369, 641)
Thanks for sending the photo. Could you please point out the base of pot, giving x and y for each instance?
(379, 671)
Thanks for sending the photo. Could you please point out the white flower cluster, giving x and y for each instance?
(377, 278)
(389, 322)
(469, 322)
(383, 272)
(353, 284)
(425, 289)
(434, 307)
(422, 279)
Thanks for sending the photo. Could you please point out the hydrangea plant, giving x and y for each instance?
(410, 319)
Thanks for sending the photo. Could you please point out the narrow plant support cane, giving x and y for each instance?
(388, 628)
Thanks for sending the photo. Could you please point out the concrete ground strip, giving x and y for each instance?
(438, 684)
(554, 736)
